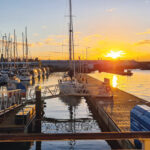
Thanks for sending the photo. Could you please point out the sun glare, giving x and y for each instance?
(114, 81)
(115, 54)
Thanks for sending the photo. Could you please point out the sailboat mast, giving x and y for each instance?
(70, 33)
(26, 44)
(23, 45)
(14, 49)
(2, 55)
(71, 39)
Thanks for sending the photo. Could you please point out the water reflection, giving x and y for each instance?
(64, 115)
(72, 103)
(72, 120)
(71, 100)
(71, 115)
(138, 84)
(114, 81)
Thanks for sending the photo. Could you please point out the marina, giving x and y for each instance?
(93, 94)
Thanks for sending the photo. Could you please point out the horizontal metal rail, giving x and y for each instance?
(10, 91)
(74, 136)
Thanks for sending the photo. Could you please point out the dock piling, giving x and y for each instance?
(38, 109)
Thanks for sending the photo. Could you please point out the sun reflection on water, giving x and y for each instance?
(114, 81)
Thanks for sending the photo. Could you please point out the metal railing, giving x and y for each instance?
(9, 100)
(46, 91)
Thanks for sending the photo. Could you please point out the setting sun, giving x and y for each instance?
(114, 54)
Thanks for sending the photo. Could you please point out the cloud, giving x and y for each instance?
(143, 42)
(92, 37)
(48, 41)
(143, 33)
(19, 44)
(110, 10)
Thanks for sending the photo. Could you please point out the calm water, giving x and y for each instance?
(138, 84)
(66, 115)
(72, 115)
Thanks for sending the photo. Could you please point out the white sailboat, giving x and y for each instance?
(67, 84)
(70, 86)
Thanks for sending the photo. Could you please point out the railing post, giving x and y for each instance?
(38, 109)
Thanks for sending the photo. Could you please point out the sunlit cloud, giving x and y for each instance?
(48, 41)
(19, 44)
(110, 10)
(92, 37)
(143, 42)
(143, 33)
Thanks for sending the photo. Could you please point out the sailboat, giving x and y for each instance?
(69, 85)
(24, 72)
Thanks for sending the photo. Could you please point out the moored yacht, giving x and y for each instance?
(68, 85)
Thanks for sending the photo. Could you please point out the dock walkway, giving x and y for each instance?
(117, 108)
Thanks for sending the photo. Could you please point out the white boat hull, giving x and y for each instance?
(66, 89)
(70, 88)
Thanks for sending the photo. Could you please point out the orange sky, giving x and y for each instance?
(101, 25)
(98, 47)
